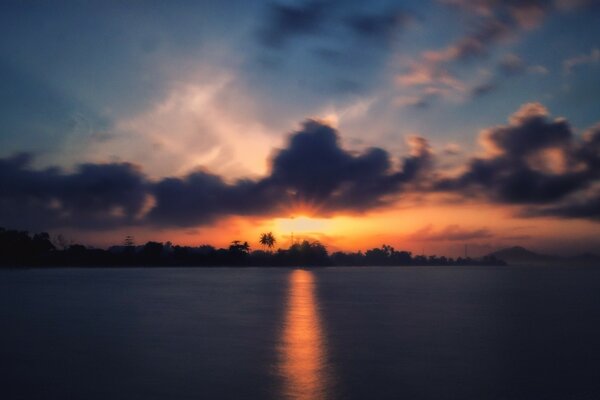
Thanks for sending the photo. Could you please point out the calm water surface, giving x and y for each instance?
(335, 333)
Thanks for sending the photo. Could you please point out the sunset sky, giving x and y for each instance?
(426, 125)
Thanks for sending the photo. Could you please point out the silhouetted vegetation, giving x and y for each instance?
(267, 240)
(19, 248)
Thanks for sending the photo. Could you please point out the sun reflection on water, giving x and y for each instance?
(303, 352)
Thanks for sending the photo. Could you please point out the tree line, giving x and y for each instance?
(19, 248)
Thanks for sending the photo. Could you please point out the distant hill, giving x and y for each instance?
(518, 255)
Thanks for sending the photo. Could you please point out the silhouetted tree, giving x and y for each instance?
(401, 258)
(307, 253)
(129, 241)
(152, 252)
(267, 240)
(61, 242)
(378, 256)
(19, 248)
(237, 246)
(42, 244)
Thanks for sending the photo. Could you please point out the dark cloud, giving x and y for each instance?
(587, 208)
(479, 40)
(200, 197)
(285, 22)
(589, 152)
(581, 205)
(315, 169)
(378, 27)
(452, 149)
(312, 171)
(449, 233)
(483, 89)
(334, 48)
(94, 195)
(498, 20)
(530, 130)
(532, 160)
(332, 19)
(422, 103)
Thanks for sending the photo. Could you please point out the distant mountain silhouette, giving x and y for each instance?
(518, 255)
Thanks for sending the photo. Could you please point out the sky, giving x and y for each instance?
(427, 125)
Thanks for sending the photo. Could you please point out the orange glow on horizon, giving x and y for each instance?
(400, 227)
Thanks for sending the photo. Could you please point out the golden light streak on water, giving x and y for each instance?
(303, 350)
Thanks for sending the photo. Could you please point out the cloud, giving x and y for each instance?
(452, 149)
(498, 20)
(200, 197)
(426, 82)
(472, 45)
(313, 173)
(209, 119)
(512, 64)
(378, 27)
(432, 70)
(492, 23)
(523, 13)
(532, 160)
(286, 22)
(584, 204)
(449, 233)
(592, 58)
(94, 195)
(586, 208)
(329, 21)
(428, 76)
(415, 102)
(483, 89)
(334, 47)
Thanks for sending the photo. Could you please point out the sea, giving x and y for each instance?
(300, 333)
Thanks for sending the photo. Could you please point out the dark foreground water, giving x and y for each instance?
(336, 333)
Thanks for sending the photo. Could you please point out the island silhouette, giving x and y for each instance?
(20, 248)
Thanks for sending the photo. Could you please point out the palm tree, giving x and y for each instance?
(246, 247)
(267, 240)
